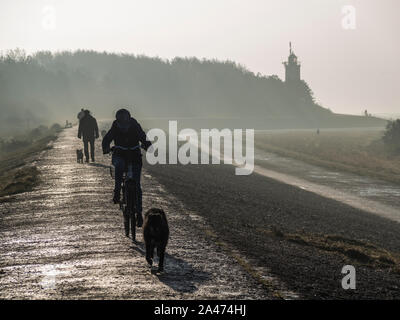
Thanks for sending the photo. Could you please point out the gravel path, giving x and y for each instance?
(65, 240)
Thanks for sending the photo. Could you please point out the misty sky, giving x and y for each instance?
(349, 70)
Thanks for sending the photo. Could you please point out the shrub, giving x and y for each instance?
(391, 137)
(55, 127)
(39, 131)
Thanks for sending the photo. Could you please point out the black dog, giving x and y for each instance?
(155, 235)
(79, 156)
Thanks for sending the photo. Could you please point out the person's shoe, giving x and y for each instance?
(92, 159)
(87, 160)
(139, 221)
(116, 197)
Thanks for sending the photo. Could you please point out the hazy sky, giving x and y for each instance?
(349, 70)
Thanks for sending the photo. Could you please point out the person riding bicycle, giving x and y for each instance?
(127, 133)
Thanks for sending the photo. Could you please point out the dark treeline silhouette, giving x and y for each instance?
(48, 87)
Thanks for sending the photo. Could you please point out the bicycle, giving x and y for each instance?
(129, 195)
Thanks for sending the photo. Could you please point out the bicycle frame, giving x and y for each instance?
(129, 205)
(129, 201)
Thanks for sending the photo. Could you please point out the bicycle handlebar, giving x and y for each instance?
(124, 148)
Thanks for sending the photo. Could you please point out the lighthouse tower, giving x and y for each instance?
(292, 67)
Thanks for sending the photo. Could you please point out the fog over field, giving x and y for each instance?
(51, 87)
(347, 50)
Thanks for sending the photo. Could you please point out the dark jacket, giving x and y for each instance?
(125, 137)
(88, 128)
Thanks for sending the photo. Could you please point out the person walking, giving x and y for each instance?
(89, 131)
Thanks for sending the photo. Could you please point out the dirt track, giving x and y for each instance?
(65, 240)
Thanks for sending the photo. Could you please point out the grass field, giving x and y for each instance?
(16, 173)
(357, 151)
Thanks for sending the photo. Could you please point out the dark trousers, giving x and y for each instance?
(86, 143)
(119, 163)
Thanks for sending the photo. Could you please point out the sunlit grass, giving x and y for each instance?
(16, 174)
(361, 152)
(356, 251)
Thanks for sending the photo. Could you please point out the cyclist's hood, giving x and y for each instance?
(124, 125)
(123, 118)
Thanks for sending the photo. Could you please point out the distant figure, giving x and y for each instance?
(89, 131)
(318, 131)
(81, 114)
(103, 133)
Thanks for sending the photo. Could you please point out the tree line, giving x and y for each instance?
(49, 86)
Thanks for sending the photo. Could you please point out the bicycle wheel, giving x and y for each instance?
(131, 206)
(125, 211)
(126, 221)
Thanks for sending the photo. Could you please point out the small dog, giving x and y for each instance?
(79, 156)
(155, 235)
